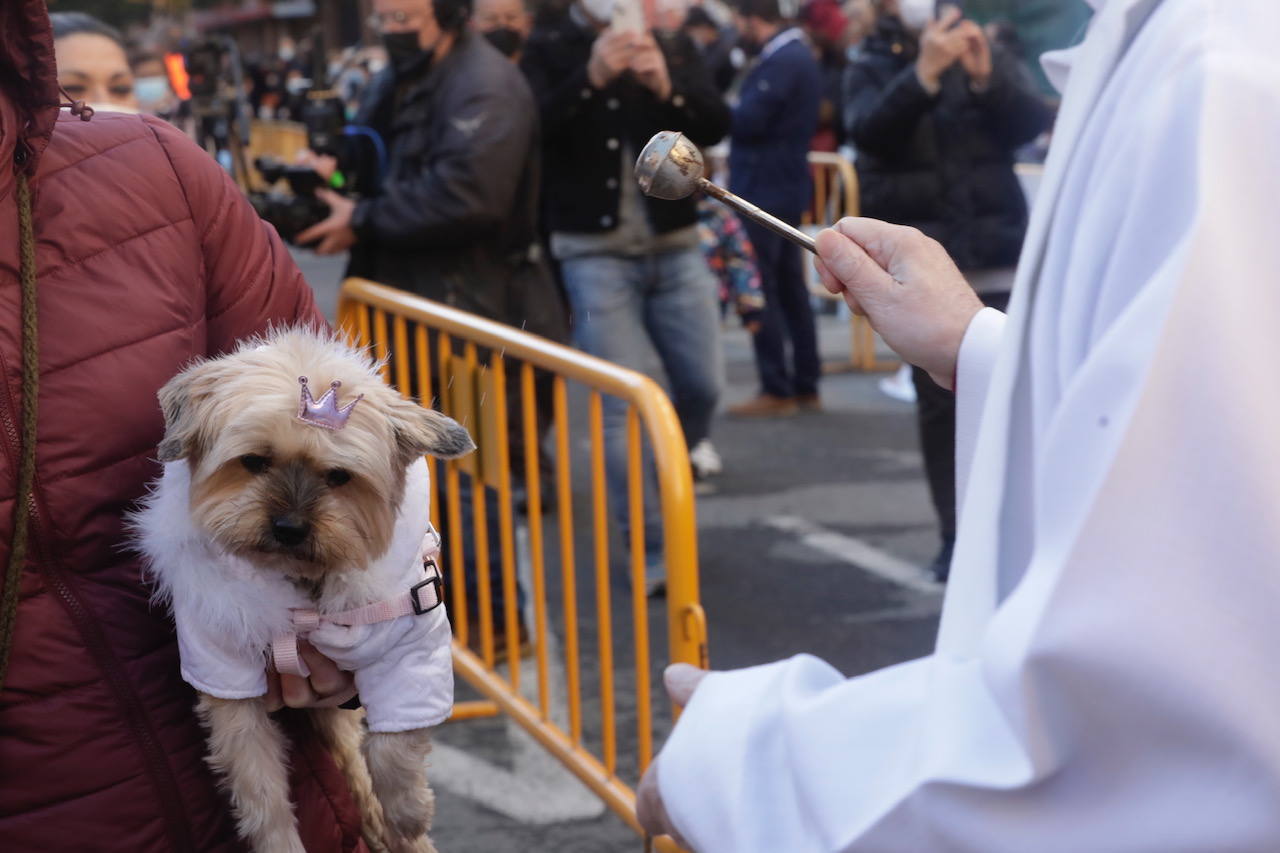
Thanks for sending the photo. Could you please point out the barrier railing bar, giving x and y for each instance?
(380, 343)
(362, 324)
(506, 521)
(479, 513)
(533, 492)
(444, 346)
(422, 359)
(400, 346)
(564, 508)
(604, 617)
(639, 598)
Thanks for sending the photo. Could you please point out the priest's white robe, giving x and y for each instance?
(1107, 671)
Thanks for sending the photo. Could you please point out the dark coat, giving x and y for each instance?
(773, 127)
(584, 129)
(147, 257)
(944, 163)
(455, 220)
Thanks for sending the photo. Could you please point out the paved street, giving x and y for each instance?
(812, 541)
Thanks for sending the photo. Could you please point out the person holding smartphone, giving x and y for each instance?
(935, 113)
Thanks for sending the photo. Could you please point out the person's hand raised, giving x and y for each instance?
(940, 48)
(976, 56)
(611, 54)
(650, 67)
(906, 284)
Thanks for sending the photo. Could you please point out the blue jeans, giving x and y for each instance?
(626, 310)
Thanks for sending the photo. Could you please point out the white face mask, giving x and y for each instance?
(601, 11)
(914, 14)
(112, 108)
(151, 91)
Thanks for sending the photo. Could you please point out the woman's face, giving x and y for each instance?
(93, 69)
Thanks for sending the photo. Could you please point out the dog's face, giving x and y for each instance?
(284, 493)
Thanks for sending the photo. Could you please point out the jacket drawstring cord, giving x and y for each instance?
(30, 390)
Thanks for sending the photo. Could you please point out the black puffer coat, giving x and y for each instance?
(456, 218)
(944, 163)
(585, 129)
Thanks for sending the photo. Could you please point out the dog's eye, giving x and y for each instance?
(337, 477)
(254, 463)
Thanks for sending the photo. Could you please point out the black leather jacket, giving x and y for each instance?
(943, 163)
(584, 130)
(455, 219)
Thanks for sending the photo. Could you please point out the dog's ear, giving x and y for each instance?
(420, 430)
(179, 403)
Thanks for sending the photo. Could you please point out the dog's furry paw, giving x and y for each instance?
(397, 768)
(421, 844)
(408, 811)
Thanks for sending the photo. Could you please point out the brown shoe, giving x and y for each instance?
(809, 402)
(764, 406)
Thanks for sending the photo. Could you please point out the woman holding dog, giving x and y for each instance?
(125, 253)
(1105, 672)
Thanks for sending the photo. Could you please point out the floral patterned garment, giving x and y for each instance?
(731, 257)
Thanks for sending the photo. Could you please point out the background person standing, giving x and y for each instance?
(455, 217)
(637, 282)
(773, 125)
(936, 113)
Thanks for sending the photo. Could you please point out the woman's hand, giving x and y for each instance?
(326, 687)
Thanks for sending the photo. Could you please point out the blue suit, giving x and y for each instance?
(773, 126)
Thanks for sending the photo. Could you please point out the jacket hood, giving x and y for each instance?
(28, 87)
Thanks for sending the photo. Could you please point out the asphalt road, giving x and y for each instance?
(811, 541)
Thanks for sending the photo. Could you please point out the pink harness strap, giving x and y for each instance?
(422, 597)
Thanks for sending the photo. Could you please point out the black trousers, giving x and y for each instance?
(936, 419)
(787, 315)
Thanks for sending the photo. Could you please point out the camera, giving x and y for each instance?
(323, 115)
(299, 209)
(295, 211)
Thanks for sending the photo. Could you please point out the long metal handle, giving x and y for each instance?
(746, 208)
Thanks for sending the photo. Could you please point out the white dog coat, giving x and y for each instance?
(228, 611)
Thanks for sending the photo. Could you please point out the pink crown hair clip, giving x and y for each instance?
(324, 412)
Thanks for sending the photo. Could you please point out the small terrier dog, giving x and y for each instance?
(281, 516)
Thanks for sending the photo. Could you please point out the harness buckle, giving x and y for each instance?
(433, 580)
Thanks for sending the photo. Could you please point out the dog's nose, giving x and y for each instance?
(289, 529)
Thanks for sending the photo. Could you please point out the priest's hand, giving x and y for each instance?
(906, 284)
(681, 680)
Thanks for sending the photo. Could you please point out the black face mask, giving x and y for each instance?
(403, 52)
(505, 39)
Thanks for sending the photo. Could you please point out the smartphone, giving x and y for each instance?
(628, 16)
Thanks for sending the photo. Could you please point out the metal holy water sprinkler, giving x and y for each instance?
(670, 167)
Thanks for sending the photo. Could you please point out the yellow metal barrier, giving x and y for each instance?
(835, 196)
(467, 359)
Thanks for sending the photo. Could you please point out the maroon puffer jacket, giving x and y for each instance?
(147, 257)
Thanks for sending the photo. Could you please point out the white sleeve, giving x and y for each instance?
(212, 663)
(974, 366)
(403, 668)
(1123, 695)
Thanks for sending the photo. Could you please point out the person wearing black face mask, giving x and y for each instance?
(505, 23)
(455, 219)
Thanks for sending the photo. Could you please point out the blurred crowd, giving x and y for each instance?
(500, 174)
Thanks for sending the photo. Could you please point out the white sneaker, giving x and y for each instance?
(899, 386)
(705, 460)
